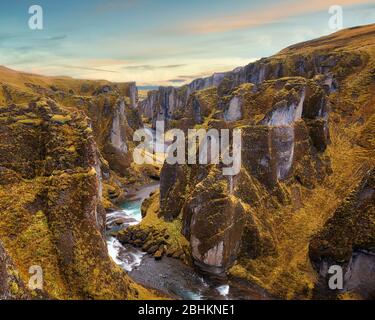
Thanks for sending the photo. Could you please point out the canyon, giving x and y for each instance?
(302, 201)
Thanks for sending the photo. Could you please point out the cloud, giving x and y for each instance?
(26, 37)
(98, 63)
(87, 68)
(153, 67)
(23, 42)
(265, 15)
(57, 38)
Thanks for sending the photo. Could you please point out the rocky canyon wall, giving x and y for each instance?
(306, 116)
(63, 143)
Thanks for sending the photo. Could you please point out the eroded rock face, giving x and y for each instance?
(212, 221)
(58, 215)
(281, 120)
(11, 286)
(276, 149)
(284, 113)
(117, 135)
(160, 105)
(234, 111)
(172, 187)
(168, 102)
(133, 94)
(348, 240)
(359, 277)
(113, 122)
(111, 113)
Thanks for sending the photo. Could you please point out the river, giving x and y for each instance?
(167, 275)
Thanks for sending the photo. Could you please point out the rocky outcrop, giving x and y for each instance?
(213, 222)
(154, 236)
(49, 159)
(274, 149)
(162, 104)
(113, 122)
(133, 94)
(110, 108)
(348, 240)
(117, 140)
(168, 103)
(11, 286)
(234, 111)
(304, 125)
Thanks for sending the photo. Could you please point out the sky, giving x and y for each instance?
(161, 42)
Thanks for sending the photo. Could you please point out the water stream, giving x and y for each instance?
(167, 275)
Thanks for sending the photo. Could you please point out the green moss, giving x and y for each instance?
(14, 288)
(61, 119)
(33, 122)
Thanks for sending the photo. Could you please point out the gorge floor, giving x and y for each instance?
(168, 275)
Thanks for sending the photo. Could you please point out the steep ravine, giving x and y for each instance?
(303, 199)
(65, 151)
(168, 275)
(307, 121)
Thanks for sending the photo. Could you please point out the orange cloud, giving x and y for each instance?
(265, 15)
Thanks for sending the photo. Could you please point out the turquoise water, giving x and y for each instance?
(133, 209)
(129, 215)
(126, 258)
(168, 275)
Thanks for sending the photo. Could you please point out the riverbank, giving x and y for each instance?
(174, 278)
(169, 276)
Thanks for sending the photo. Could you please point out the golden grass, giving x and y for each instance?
(290, 272)
(176, 239)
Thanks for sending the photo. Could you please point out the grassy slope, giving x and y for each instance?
(290, 273)
(29, 233)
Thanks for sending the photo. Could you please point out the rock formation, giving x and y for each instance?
(348, 239)
(302, 201)
(306, 116)
(63, 143)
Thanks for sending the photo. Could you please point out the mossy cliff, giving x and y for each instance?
(50, 208)
(348, 239)
(307, 120)
(11, 286)
(157, 236)
(111, 113)
(58, 160)
(303, 198)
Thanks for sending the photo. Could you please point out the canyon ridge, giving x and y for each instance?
(304, 199)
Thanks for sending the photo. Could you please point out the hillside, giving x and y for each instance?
(304, 199)
(64, 158)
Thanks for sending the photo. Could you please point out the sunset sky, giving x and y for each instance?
(160, 42)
